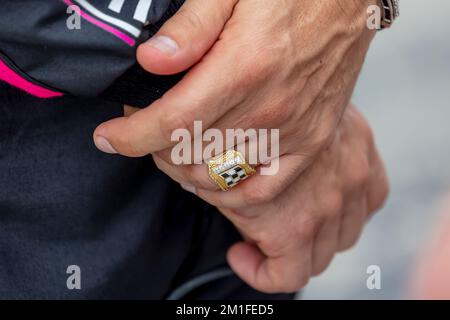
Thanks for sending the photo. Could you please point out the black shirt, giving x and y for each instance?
(132, 231)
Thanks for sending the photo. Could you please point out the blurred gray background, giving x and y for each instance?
(404, 91)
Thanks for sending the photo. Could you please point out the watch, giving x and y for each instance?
(390, 11)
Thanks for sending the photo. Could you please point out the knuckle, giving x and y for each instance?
(188, 18)
(382, 197)
(274, 245)
(131, 147)
(257, 68)
(243, 219)
(301, 281)
(359, 172)
(321, 266)
(348, 242)
(275, 115)
(362, 125)
(262, 66)
(331, 204)
(191, 174)
(323, 135)
(254, 196)
(175, 121)
(318, 131)
(218, 202)
(378, 197)
(369, 134)
(307, 229)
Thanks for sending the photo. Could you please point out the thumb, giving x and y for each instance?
(284, 273)
(186, 37)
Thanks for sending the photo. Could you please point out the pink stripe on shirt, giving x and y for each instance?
(9, 76)
(122, 36)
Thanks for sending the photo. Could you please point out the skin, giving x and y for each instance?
(290, 65)
(297, 233)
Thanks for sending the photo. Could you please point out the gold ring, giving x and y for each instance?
(229, 169)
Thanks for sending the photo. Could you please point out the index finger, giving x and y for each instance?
(204, 94)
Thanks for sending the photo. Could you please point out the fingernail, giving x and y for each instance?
(164, 44)
(189, 188)
(103, 145)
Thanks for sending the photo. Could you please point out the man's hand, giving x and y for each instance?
(296, 235)
(287, 64)
(290, 65)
